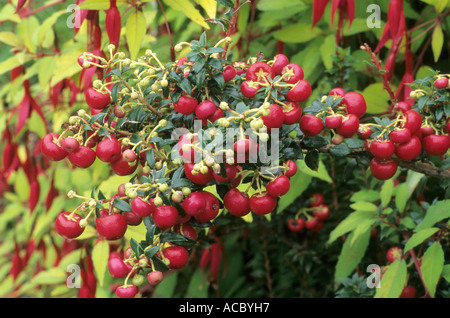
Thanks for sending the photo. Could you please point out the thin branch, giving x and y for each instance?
(172, 48)
(377, 63)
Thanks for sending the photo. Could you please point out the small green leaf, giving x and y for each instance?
(437, 42)
(386, 192)
(122, 205)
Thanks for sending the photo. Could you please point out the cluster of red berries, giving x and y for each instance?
(405, 139)
(312, 218)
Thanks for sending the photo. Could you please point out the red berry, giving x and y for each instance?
(96, 99)
(177, 256)
(349, 126)
(259, 72)
(165, 216)
(129, 155)
(186, 105)
(355, 104)
(311, 223)
(310, 125)
(316, 199)
(394, 253)
(382, 149)
(262, 203)
(340, 92)
(111, 226)
(364, 132)
(230, 174)
(128, 291)
(294, 73)
(408, 292)
(132, 218)
(122, 167)
(229, 72)
(141, 207)
(321, 212)
(84, 157)
(279, 62)
(401, 107)
(199, 178)
(188, 152)
(409, 150)
(218, 113)
(109, 149)
(296, 225)
(236, 202)
(68, 225)
(211, 210)
(441, 83)
(81, 59)
(70, 144)
(400, 135)
(292, 169)
(205, 109)
(155, 277)
(333, 121)
(436, 145)
(426, 130)
(51, 149)
(117, 267)
(186, 230)
(300, 92)
(275, 119)
(279, 186)
(413, 120)
(292, 113)
(383, 169)
(194, 203)
(249, 88)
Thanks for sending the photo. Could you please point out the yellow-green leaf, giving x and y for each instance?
(11, 39)
(419, 237)
(189, 10)
(46, 27)
(210, 7)
(66, 66)
(135, 32)
(100, 254)
(432, 266)
(98, 4)
(393, 280)
(26, 30)
(437, 41)
(14, 61)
